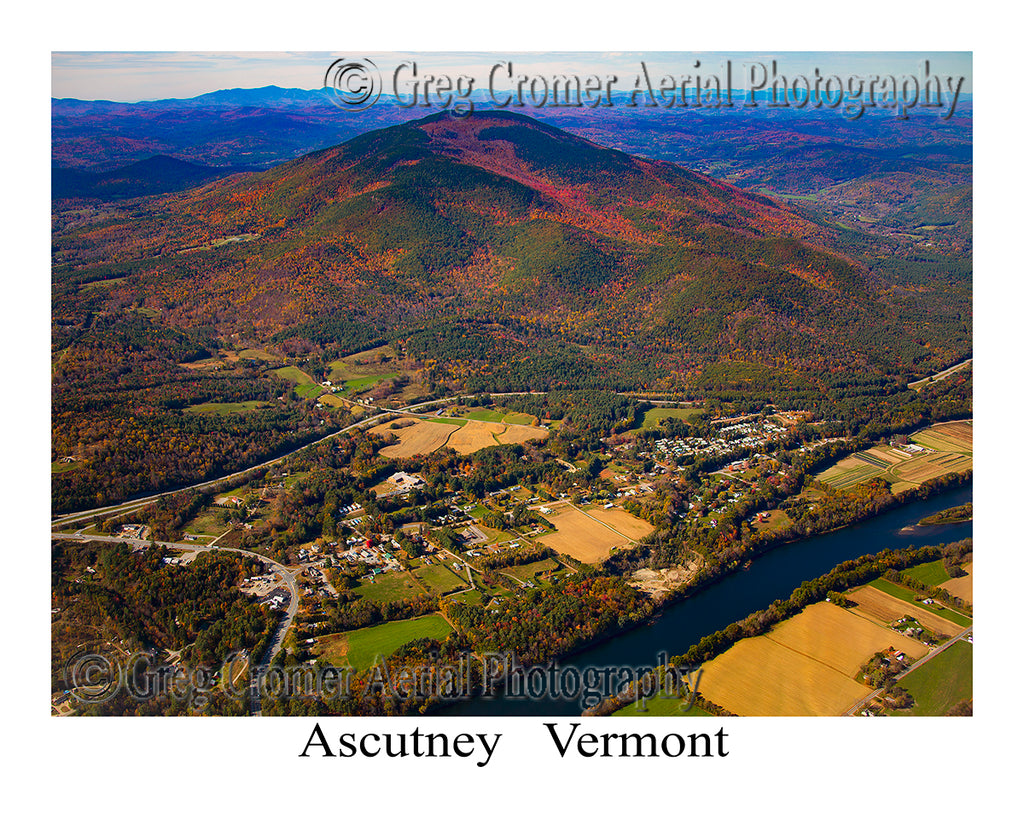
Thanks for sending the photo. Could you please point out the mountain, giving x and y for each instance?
(158, 174)
(241, 126)
(516, 254)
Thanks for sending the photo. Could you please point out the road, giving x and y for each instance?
(939, 376)
(135, 503)
(926, 658)
(287, 575)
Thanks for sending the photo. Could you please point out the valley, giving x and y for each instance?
(480, 386)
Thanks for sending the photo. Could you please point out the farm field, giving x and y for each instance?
(950, 449)
(941, 682)
(214, 408)
(388, 587)
(587, 539)
(839, 638)
(208, 522)
(803, 667)
(439, 579)
(361, 647)
(883, 607)
(484, 415)
(907, 596)
(654, 417)
(362, 383)
(530, 571)
(474, 436)
(955, 436)
(373, 362)
(621, 521)
(499, 416)
(962, 587)
(464, 436)
(257, 355)
(304, 385)
(359, 372)
(757, 677)
(418, 438)
(931, 574)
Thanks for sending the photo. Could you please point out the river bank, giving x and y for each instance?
(772, 575)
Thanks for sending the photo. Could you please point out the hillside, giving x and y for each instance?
(156, 175)
(517, 249)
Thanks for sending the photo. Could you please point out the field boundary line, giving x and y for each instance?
(810, 657)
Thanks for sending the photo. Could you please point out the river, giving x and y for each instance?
(771, 577)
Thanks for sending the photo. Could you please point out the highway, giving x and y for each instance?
(135, 503)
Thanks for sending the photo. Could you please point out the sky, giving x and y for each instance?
(149, 75)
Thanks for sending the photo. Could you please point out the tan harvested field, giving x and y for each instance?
(758, 677)
(901, 486)
(952, 444)
(840, 638)
(419, 438)
(518, 434)
(804, 667)
(475, 435)
(884, 609)
(962, 587)
(956, 436)
(581, 537)
(422, 437)
(888, 454)
(621, 521)
(925, 468)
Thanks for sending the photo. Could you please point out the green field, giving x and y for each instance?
(57, 468)
(388, 587)
(906, 595)
(529, 571)
(519, 418)
(439, 578)
(653, 417)
(941, 682)
(361, 371)
(257, 355)
(844, 477)
(471, 597)
(458, 422)
(304, 385)
(361, 648)
(485, 415)
(209, 522)
(215, 408)
(931, 574)
(500, 416)
(354, 385)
